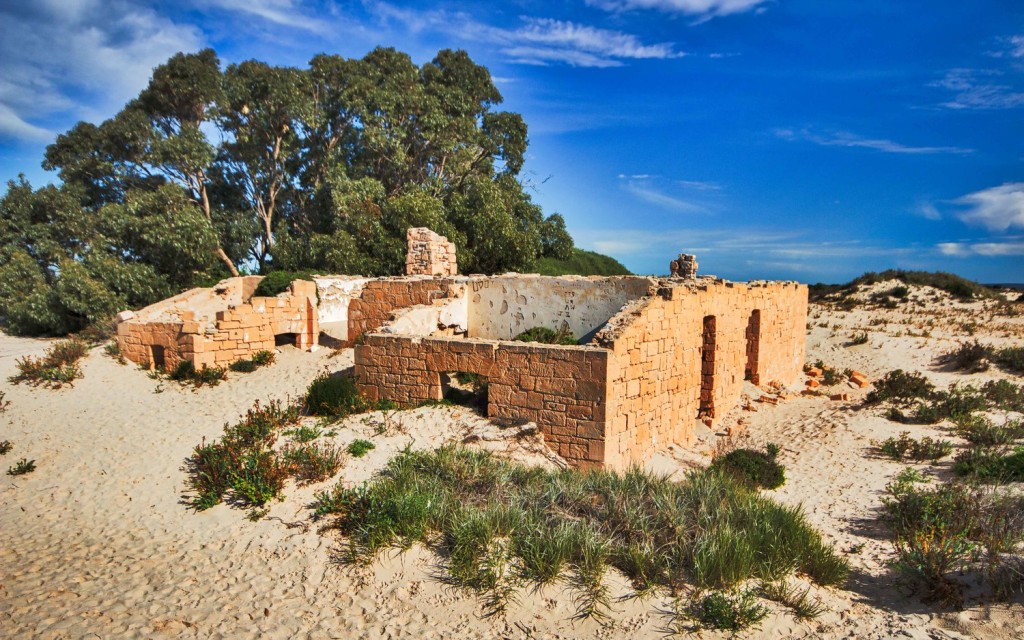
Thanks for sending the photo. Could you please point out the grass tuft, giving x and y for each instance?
(21, 467)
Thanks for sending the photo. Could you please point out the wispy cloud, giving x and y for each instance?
(537, 41)
(928, 211)
(1011, 47)
(285, 13)
(979, 89)
(86, 57)
(986, 249)
(697, 185)
(646, 188)
(997, 208)
(846, 139)
(703, 8)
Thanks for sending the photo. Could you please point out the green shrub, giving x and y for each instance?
(1004, 395)
(359, 448)
(906, 447)
(263, 358)
(5, 447)
(547, 336)
(725, 611)
(312, 462)
(991, 464)
(948, 528)
(334, 395)
(971, 357)
(243, 366)
(757, 469)
(277, 282)
(499, 524)
(57, 367)
(1010, 359)
(982, 431)
(21, 467)
(900, 387)
(858, 339)
(185, 372)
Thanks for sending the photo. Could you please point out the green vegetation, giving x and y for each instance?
(21, 467)
(259, 359)
(4, 402)
(953, 527)
(57, 367)
(905, 447)
(547, 336)
(186, 373)
(756, 469)
(581, 263)
(803, 606)
(359, 448)
(245, 464)
(335, 396)
(958, 287)
(322, 168)
(721, 611)
(972, 357)
(5, 447)
(499, 526)
(277, 282)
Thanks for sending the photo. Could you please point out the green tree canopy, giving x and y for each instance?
(213, 170)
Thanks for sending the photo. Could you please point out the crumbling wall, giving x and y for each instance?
(502, 307)
(218, 325)
(380, 298)
(429, 254)
(562, 389)
(663, 361)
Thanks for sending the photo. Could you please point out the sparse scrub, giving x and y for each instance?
(5, 447)
(547, 336)
(757, 469)
(804, 606)
(721, 611)
(970, 357)
(335, 396)
(304, 433)
(277, 282)
(905, 447)
(500, 525)
(186, 373)
(57, 367)
(901, 388)
(952, 527)
(312, 462)
(21, 467)
(359, 448)
(113, 349)
(259, 359)
(1010, 359)
(4, 402)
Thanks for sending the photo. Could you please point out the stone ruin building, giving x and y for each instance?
(655, 355)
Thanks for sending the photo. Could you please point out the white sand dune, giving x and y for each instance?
(99, 541)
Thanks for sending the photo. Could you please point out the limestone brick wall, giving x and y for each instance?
(684, 354)
(562, 389)
(217, 338)
(429, 254)
(379, 299)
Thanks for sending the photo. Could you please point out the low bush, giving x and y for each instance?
(951, 527)
(757, 469)
(21, 467)
(277, 282)
(971, 357)
(858, 339)
(359, 448)
(1003, 394)
(57, 367)
(500, 525)
(259, 359)
(1010, 359)
(547, 336)
(901, 388)
(263, 358)
(242, 366)
(992, 464)
(5, 447)
(905, 447)
(335, 396)
(723, 611)
(982, 431)
(312, 462)
(186, 373)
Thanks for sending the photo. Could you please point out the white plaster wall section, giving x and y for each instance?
(425, 320)
(336, 293)
(502, 307)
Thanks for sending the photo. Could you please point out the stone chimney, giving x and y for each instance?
(685, 266)
(429, 254)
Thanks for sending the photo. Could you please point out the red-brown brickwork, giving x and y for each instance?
(231, 324)
(562, 389)
(429, 254)
(664, 359)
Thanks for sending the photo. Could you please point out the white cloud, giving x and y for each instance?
(986, 249)
(704, 8)
(927, 211)
(998, 208)
(846, 139)
(538, 41)
(280, 12)
(698, 185)
(979, 89)
(83, 57)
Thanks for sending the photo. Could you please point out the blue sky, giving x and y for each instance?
(801, 139)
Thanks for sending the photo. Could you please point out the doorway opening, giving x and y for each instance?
(753, 346)
(156, 357)
(707, 370)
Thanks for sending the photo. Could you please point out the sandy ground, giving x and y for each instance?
(99, 541)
